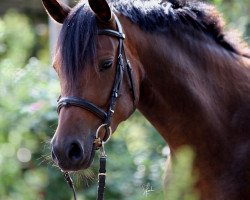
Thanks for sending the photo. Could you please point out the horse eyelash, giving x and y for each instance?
(109, 63)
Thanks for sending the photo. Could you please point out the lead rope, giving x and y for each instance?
(103, 157)
(70, 182)
(102, 174)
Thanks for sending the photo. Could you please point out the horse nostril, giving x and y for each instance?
(75, 152)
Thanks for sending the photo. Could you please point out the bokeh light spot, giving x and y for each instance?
(24, 155)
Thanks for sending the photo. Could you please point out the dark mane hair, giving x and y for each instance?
(164, 15)
(77, 41)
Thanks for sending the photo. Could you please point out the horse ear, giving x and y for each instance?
(101, 9)
(57, 10)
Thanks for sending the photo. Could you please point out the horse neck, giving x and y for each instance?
(187, 82)
(197, 93)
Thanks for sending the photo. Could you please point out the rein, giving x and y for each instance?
(105, 116)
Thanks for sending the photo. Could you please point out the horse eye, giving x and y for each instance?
(106, 65)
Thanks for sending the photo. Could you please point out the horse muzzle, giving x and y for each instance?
(72, 155)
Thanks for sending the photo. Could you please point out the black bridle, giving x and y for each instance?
(105, 116)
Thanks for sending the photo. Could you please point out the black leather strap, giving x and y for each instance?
(131, 79)
(110, 32)
(82, 103)
(101, 178)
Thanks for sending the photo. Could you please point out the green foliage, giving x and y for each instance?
(27, 119)
(16, 38)
(236, 14)
(182, 180)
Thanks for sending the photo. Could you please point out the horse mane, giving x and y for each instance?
(165, 15)
(77, 40)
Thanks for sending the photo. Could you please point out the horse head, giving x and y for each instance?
(97, 83)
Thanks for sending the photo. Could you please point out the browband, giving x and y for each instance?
(110, 32)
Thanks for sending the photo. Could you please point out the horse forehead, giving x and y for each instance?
(106, 45)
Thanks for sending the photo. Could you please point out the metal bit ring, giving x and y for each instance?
(109, 130)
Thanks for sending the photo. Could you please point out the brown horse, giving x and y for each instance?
(191, 80)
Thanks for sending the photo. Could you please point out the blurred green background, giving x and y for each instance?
(28, 92)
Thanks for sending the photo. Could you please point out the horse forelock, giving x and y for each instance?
(77, 42)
